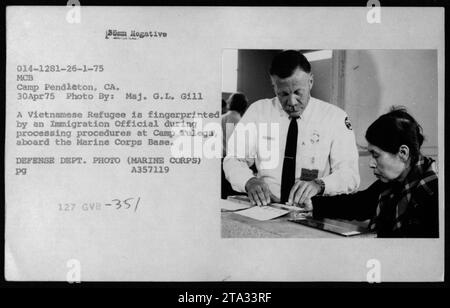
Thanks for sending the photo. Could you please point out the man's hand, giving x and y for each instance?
(303, 191)
(258, 191)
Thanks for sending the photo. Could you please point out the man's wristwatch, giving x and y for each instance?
(322, 186)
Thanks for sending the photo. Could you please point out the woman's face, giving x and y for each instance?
(386, 166)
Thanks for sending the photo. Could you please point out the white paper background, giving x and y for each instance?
(175, 235)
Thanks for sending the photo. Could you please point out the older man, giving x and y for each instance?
(312, 148)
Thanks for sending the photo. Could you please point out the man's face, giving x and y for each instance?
(293, 91)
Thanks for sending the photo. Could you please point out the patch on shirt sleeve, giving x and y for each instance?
(347, 123)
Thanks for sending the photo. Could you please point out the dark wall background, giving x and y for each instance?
(254, 80)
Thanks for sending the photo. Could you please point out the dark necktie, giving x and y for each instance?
(290, 153)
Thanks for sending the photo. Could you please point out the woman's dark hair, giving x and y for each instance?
(238, 102)
(396, 128)
(286, 62)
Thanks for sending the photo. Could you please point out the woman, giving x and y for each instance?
(403, 202)
(238, 104)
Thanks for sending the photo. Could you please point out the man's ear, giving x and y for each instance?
(403, 152)
(273, 83)
(311, 80)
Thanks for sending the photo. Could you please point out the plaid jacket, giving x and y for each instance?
(407, 209)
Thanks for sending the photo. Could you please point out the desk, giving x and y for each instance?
(235, 225)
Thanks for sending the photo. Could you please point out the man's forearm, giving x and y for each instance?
(237, 172)
(341, 182)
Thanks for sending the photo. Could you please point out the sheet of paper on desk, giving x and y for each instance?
(263, 212)
(227, 205)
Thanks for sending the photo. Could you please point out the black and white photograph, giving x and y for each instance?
(344, 141)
